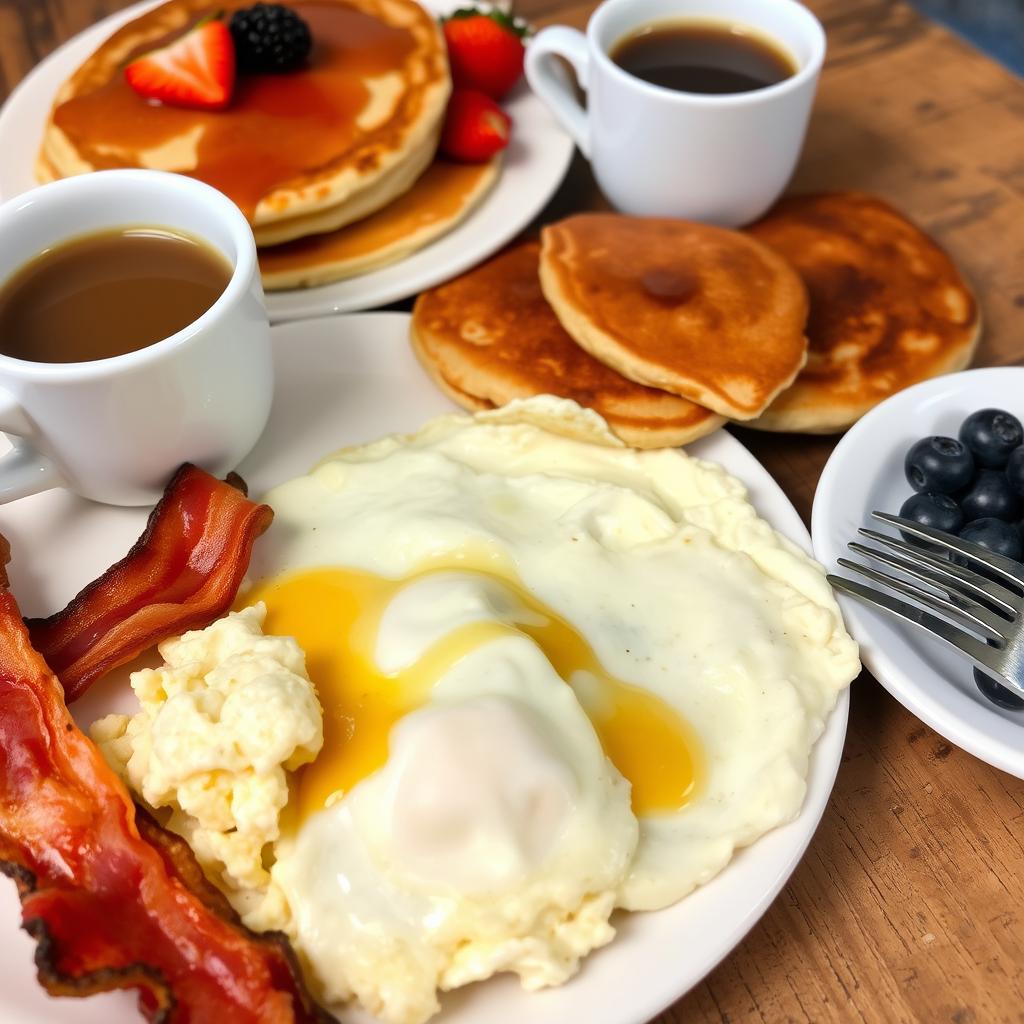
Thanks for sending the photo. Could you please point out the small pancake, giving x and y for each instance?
(446, 387)
(438, 201)
(332, 141)
(703, 312)
(888, 308)
(489, 337)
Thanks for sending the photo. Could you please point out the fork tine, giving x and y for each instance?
(1005, 568)
(937, 573)
(955, 576)
(940, 604)
(977, 650)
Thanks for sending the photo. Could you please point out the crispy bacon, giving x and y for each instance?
(112, 899)
(183, 572)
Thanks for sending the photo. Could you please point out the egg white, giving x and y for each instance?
(659, 561)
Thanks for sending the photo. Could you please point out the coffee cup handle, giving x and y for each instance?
(550, 83)
(23, 470)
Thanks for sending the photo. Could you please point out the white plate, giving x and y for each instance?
(341, 381)
(534, 166)
(865, 474)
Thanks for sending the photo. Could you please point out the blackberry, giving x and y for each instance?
(269, 38)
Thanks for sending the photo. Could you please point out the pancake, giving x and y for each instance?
(703, 312)
(446, 387)
(489, 337)
(433, 206)
(333, 141)
(888, 308)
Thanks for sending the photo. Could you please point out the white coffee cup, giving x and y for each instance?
(659, 152)
(114, 430)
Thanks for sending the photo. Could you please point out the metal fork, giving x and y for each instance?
(988, 606)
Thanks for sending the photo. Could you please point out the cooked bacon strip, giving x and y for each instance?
(107, 908)
(183, 573)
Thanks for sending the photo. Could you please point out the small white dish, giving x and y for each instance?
(533, 168)
(343, 381)
(864, 474)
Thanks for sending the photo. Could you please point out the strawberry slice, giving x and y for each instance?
(197, 70)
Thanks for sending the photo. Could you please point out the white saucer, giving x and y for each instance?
(865, 473)
(341, 381)
(533, 168)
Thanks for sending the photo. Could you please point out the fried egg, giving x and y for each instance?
(494, 838)
(557, 675)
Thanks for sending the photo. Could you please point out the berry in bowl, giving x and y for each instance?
(964, 486)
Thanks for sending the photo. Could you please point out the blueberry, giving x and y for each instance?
(1000, 695)
(994, 535)
(939, 511)
(990, 497)
(991, 434)
(939, 464)
(1015, 470)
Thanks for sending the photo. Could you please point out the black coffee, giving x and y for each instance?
(702, 56)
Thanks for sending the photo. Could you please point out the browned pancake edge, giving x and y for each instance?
(888, 307)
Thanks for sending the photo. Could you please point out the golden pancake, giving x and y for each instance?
(490, 336)
(888, 308)
(435, 204)
(703, 312)
(445, 386)
(334, 141)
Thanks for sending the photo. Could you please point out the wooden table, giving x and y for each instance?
(909, 905)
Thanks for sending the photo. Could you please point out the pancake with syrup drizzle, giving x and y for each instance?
(489, 337)
(444, 194)
(888, 308)
(703, 312)
(305, 151)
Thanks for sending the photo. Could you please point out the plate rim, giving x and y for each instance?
(876, 657)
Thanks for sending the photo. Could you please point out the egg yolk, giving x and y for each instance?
(334, 614)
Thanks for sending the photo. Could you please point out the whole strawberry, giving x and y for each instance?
(475, 127)
(485, 51)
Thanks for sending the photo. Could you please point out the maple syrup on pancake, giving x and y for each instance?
(108, 293)
(278, 126)
(715, 57)
(439, 194)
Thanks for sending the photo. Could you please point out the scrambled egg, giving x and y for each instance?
(222, 722)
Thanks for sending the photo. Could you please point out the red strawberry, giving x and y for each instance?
(475, 127)
(485, 51)
(197, 70)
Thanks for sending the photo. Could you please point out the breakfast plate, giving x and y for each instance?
(343, 381)
(865, 473)
(533, 167)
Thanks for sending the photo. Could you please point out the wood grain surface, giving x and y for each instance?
(909, 905)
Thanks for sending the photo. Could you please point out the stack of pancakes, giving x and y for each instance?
(669, 328)
(317, 158)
